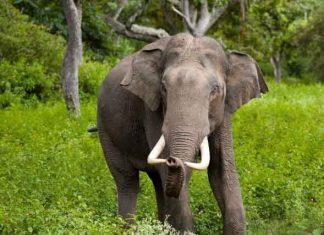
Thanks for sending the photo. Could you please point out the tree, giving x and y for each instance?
(73, 56)
(197, 18)
(272, 24)
(311, 41)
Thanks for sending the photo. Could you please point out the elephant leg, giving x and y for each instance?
(125, 176)
(224, 181)
(155, 177)
(127, 190)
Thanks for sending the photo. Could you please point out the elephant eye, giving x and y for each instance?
(215, 89)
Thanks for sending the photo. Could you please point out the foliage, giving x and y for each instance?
(31, 60)
(150, 226)
(282, 180)
(269, 29)
(100, 41)
(24, 82)
(273, 22)
(22, 39)
(29, 84)
(47, 13)
(61, 185)
(91, 75)
(311, 42)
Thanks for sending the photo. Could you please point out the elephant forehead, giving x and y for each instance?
(181, 40)
(186, 76)
(185, 44)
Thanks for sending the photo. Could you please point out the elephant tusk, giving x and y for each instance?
(205, 157)
(156, 151)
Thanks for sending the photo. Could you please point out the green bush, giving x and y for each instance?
(91, 75)
(27, 83)
(23, 82)
(31, 59)
(20, 39)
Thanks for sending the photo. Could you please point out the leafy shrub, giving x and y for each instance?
(30, 61)
(91, 75)
(22, 81)
(22, 39)
(151, 226)
(100, 41)
(310, 40)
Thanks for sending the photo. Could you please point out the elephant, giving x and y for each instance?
(162, 106)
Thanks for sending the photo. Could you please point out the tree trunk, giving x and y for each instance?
(275, 61)
(73, 56)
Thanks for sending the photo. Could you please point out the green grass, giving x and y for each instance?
(54, 180)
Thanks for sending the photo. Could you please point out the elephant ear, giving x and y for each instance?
(144, 76)
(244, 81)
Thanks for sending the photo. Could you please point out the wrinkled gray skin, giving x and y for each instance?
(185, 88)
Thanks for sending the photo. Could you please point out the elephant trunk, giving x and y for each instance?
(182, 148)
(175, 177)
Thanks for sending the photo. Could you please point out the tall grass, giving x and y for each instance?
(54, 180)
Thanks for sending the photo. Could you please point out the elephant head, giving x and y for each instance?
(196, 82)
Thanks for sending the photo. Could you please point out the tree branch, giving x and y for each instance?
(197, 27)
(207, 19)
(176, 3)
(190, 27)
(132, 30)
(140, 29)
(138, 32)
(203, 21)
(204, 9)
(122, 4)
(186, 10)
(216, 13)
(193, 15)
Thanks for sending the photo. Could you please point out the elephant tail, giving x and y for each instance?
(92, 129)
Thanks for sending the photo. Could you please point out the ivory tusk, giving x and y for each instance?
(156, 151)
(205, 157)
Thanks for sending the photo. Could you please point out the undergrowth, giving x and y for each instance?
(54, 180)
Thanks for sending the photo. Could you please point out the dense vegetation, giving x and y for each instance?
(53, 177)
(31, 60)
(31, 54)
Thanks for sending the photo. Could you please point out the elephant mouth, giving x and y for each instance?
(158, 148)
(175, 177)
(176, 167)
